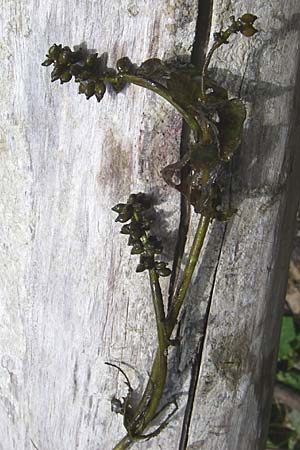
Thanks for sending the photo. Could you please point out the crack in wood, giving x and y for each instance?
(202, 32)
(196, 365)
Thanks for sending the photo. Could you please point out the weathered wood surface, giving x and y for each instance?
(234, 390)
(70, 299)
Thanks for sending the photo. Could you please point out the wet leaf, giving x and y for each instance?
(177, 85)
(152, 68)
(232, 116)
(204, 155)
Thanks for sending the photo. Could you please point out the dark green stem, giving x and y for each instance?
(152, 396)
(158, 308)
(188, 273)
(221, 39)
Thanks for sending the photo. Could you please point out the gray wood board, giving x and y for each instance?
(70, 298)
(235, 386)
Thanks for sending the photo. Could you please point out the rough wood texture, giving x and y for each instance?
(70, 299)
(234, 391)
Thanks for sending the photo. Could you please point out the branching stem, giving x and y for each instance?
(155, 387)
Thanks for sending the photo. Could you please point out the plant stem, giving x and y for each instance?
(162, 92)
(222, 38)
(158, 308)
(152, 396)
(188, 272)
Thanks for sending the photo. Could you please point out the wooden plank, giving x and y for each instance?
(70, 298)
(241, 340)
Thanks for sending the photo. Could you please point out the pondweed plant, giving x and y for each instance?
(216, 124)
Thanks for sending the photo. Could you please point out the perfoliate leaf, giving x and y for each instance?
(232, 116)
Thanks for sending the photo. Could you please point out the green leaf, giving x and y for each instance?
(232, 116)
(217, 92)
(203, 156)
(177, 85)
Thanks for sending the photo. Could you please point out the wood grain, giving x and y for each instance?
(70, 299)
(237, 368)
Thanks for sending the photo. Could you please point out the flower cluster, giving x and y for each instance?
(243, 24)
(138, 228)
(85, 69)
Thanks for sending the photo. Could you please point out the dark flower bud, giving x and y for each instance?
(65, 77)
(48, 62)
(75, 69)
(137, 248)
(65, 56)
(76, 56)
(144, 199)
(125, 215)
(54, 51)
(140, 268)
(131, 198)
(132, 240)
(83, 76)
(120, 207)
(153, 246)
(164, 272)
(139, 201)
(100, 89)
(124, 65)
(125, 229)
(118, 85)
(81, 89)
(135, 229)
(160, 265)
(152, 67)
(56, 72)
(91, 59)
(90, 89)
